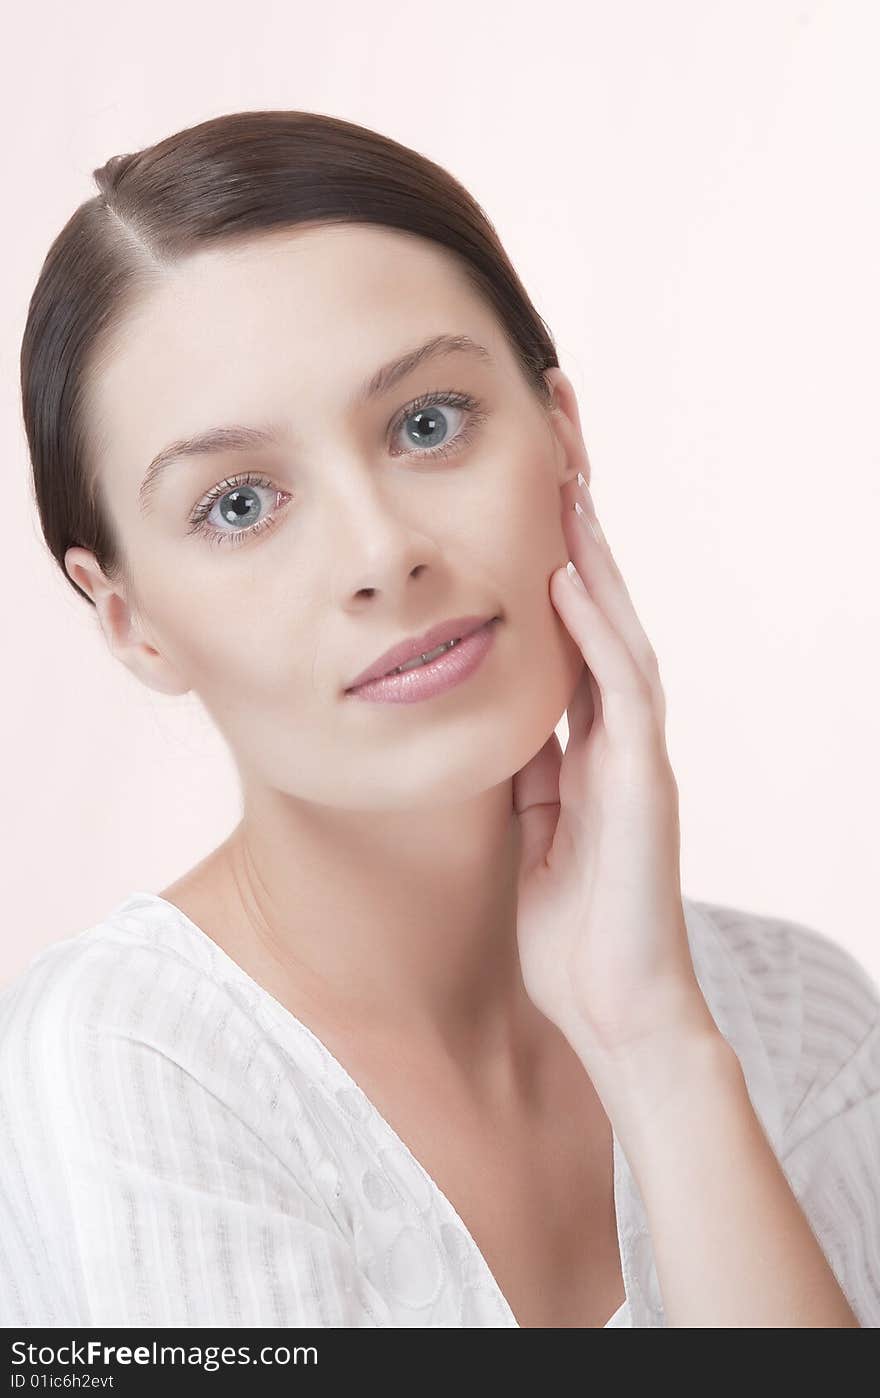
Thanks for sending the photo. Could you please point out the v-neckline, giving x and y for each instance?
(346, 1080)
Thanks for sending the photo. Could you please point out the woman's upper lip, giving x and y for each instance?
(454, 629)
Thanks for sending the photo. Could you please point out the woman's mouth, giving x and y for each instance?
(433, 673)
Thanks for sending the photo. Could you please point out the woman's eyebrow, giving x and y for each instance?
(235, 438)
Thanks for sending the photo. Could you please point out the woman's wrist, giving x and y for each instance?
(644, 1090)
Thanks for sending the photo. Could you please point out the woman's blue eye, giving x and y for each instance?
(426, 423)
(428, 435)
(238, 505)
(428, 427)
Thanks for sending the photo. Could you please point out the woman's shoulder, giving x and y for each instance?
(136, 985)
(142, 1007)
(99, 974)
(816, 1008)
(149, 1109)
(143, 994)
(788, 991)
(796, 977)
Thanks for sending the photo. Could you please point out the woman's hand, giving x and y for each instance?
(600, 923)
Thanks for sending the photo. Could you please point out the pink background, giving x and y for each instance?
(689, 193)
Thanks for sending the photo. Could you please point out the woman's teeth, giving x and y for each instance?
(423, 659)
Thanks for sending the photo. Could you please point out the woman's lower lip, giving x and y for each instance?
(425, 681)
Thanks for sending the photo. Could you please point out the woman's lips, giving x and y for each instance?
(437, 676)
(453, 628)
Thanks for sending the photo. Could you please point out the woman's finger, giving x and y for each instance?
(605, 583)
(628, 704)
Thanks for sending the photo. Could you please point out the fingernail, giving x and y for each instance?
(575, 576)
(585, 491)
(593, 526)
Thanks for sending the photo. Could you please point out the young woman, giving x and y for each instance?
(432, 1038)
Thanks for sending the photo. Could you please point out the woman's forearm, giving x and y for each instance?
(732, 1246)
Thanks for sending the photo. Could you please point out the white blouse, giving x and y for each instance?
(178, 1149)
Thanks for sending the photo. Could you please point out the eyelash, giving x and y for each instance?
(198, 520)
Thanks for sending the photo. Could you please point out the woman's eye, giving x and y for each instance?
(234, 510)
(432, 425)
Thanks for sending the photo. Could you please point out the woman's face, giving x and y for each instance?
(349, 534)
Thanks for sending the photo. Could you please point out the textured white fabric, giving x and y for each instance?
(177, 1149)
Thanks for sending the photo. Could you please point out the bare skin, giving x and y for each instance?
(370, 883)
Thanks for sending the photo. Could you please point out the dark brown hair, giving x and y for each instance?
(228, 177)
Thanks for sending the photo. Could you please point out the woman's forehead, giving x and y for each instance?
(279, 336)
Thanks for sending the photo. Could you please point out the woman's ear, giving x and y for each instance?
(565, 423)
(124, 631)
